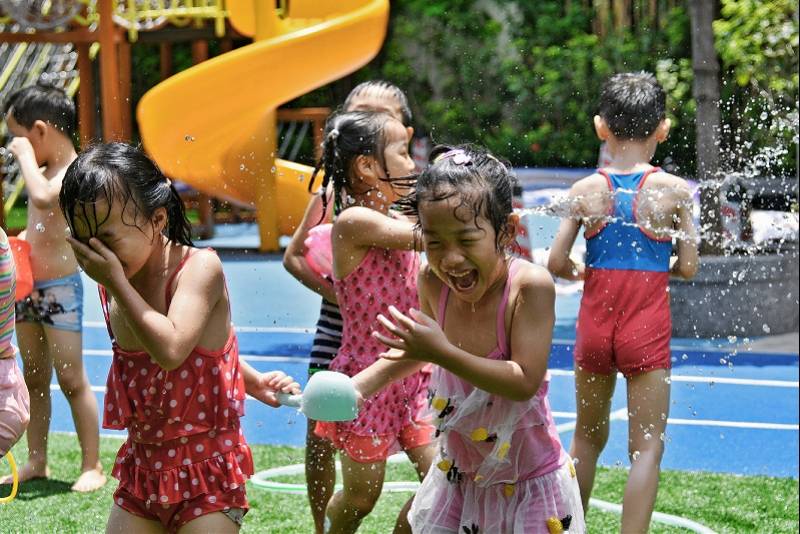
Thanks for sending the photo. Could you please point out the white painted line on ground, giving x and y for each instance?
(707, 379)
(658, 517)
(557, 341)
(553, 372)
(248, 329)
(246, 357)
(733, 424)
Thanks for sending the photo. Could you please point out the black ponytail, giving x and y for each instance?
(118, 171)
(347, 136)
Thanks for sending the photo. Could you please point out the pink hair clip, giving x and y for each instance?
(459, 157)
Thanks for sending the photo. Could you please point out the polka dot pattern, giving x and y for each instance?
(384, 278)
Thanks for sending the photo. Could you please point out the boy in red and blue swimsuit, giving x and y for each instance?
(632, 212)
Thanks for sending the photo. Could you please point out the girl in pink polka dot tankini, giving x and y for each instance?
(374, 266)
(185, 459)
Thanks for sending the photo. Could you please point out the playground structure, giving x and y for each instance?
(212, 126)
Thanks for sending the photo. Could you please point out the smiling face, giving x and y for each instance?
(462, 249)
(130, 235)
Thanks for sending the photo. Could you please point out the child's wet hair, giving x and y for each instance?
(347, 136)
(483, 183)
(42, 102)
(118, 172)
(632, 104)
(381, 86)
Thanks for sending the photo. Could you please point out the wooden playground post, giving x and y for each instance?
(204, 207)
(266, 201)
(125, 79)
(113, 129)
(87, 112)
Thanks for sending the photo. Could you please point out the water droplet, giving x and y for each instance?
(684, 356)
(763, 116)
(241, 167)
(648, 436)
(635, 455)
(667, 380)
(765, 327)
(40, 228)
(188, 138)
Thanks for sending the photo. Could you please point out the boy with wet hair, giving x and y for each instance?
(41, 123)
(631, 211)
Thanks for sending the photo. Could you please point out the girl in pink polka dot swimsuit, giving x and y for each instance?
(374, 266)
(177, 386)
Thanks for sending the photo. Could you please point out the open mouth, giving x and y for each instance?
(464, 281)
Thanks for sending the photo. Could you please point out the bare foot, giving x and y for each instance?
(27, 472)
(90, 480)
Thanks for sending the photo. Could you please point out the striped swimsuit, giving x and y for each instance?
(14, 399)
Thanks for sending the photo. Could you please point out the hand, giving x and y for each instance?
(99, 262)
(22, 149)
(269, 384)
(417, 337)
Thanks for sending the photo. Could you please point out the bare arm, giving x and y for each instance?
(294, 259)
(421, 338)
(42, 192)
(559, 262)
(360, 227)
(170, 338)
(688, 259)
(265, 386)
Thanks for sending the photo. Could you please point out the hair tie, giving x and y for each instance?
(169, 182)
(334, 134)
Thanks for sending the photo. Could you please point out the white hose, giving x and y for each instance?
(263, 480)
(658, 517)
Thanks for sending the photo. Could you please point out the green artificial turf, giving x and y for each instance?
(724, 503)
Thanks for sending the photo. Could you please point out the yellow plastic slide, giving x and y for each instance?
(213, 125)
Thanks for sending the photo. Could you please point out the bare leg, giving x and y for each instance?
(320, 474)
(123, 522)
(593, 394)
(362, 487)
(421, 458)
(218, 523)
(648, 408)
(67, 356)
(37, 368)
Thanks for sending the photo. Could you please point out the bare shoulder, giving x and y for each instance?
(665, 179)
(592, 183)
(58, 173)
(534, 281)
(429, 286)
(203, 267)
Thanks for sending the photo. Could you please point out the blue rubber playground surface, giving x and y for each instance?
(732, 413)
(734, 410)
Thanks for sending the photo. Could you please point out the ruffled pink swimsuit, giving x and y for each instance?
(393, 419)
(501, 467)
(185, 455)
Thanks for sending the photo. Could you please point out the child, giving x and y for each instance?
(376, 96)
(624, 320)
(41, 120)
(486, 321)
(374, 264)
(176, 383)
(14, 399)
